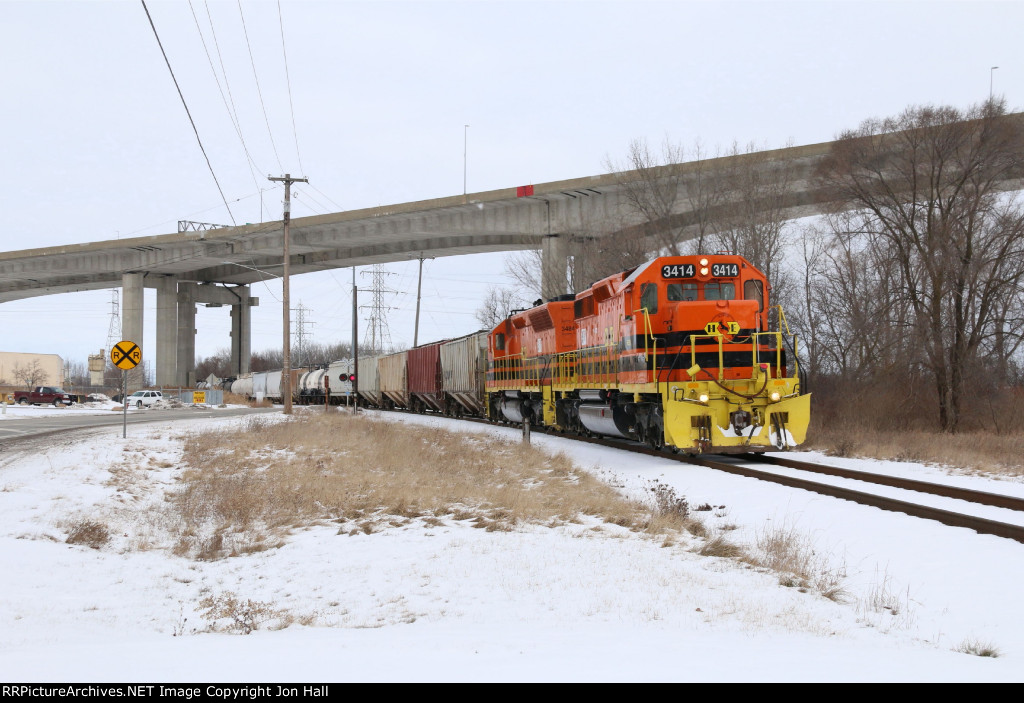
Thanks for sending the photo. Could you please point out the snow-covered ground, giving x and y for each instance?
(453, 603)
(100, 407)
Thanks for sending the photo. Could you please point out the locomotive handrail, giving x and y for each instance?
(652, 351)
(777, 344)
(721, 353)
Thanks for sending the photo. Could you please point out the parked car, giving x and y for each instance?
(144, 398)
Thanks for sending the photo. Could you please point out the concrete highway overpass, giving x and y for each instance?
(217, 266)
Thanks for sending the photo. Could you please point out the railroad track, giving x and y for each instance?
(946, 517)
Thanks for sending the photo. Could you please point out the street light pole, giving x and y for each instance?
(465, 142)
(286, 372)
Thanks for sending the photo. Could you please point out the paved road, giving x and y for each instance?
(33, 427)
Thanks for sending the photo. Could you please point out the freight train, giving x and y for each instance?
(684, 353)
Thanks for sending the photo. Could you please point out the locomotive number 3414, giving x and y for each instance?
(678, 271)
(688, 271)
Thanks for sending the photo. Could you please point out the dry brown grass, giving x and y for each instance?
(226, 612)
(245, 489)
(980, 452)
(235, 399)
(793, 556)
(977, 648)
(89, 533)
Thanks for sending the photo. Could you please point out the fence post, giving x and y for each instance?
(526, 430)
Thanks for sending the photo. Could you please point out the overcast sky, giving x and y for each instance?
(98, 145)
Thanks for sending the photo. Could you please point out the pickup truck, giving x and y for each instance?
(43, 395)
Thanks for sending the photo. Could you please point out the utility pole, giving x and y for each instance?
(286, 373)
(355, 343)
(419, 288)
(465, 144)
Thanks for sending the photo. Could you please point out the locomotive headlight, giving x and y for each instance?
(703, 397)
(704, 271)
(775, 396)
(703, 262)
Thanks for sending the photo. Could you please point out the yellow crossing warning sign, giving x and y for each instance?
(126, 355)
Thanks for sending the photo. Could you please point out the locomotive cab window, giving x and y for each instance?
(684, 292)
(715, 290)
(754, 290)
(649, 297)
(499, 341)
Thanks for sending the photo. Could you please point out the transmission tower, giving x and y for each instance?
(114, 329)
(302, 337)
(377, 332)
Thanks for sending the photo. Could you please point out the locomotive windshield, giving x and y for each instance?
(681, 292)
(754, 290)
(649, 297)
(714, 290)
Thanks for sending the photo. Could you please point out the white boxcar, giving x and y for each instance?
(393, 382)
(464, 372)
(368, 380)
(341, 386)
(274, 386)
(259, 384)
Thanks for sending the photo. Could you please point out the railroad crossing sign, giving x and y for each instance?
(126, 355)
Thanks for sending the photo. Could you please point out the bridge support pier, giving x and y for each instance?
(553, 258)
(132, 308)
(241, 331)
(214, 296)
(166, 331)
(185, 334)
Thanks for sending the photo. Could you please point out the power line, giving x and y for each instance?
(231, 115)
(288, 80)
(191, 121)
(326, 196)
(259, 91)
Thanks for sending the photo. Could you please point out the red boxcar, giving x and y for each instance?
(425, 388)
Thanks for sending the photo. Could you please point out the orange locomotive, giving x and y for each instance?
(677, 352)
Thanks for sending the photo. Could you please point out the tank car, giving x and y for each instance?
(243, 386)
(311, 387)
(677, 352)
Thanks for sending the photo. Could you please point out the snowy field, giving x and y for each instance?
(453, 603)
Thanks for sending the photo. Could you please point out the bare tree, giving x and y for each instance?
(750, 218)
(76, 373)
(497, 306)
(926, 189)
(29, 374)
(524, 267)
(673, 199)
